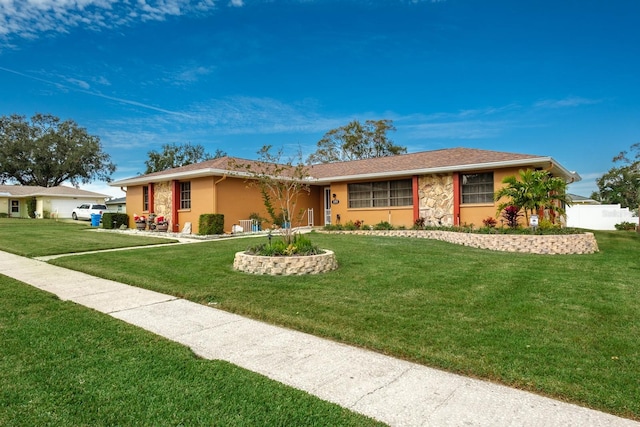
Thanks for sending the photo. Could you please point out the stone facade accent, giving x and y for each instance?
(435, 193)
(285, 265)
(162, 200)
(557, 244)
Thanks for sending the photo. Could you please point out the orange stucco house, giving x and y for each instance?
(449, 187)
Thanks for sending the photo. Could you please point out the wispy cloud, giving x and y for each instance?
(80, 83)
(476, 123)
(474, 129)
(84, 87)
(570, 101)
(188, 75)
(29, 19)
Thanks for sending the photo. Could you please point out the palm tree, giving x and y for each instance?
(534, 191)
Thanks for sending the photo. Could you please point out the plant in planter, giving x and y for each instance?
(300, 246)
(280, 185)
(141, 221)
(151, 221)
(161, 224)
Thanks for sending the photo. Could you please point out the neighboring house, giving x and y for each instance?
(450, 187)
(581, 200)
(117, 205)
(51, 202)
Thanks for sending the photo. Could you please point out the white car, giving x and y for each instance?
(85, 210)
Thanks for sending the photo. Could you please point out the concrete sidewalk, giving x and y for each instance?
(396, 392)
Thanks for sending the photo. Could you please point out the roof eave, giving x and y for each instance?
(170, 177)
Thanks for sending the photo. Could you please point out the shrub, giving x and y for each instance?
(489, 222)
(626, 226)
(111, 220)
(31, 207)
(4, 215)
(511, 214)
(333, 227)
(545, 224)
(383, 225)
(211, 224)
(350, 225)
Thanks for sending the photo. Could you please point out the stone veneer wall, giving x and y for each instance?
(435, 193)
(285, 265)
(162, 200)
(556, 244)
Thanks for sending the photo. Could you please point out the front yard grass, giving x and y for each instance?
(40, 237)
(64, 365)
(565, 326)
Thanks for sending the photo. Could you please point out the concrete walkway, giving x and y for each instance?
(396, 392)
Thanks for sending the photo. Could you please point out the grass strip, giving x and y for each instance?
(62, 364)
(41, 237)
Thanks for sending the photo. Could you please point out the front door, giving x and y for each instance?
(14, 208)
(327, 205)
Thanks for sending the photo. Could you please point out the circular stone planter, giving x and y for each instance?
(285, 265)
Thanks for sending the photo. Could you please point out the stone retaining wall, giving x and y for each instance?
(285, 265)
(555, 244)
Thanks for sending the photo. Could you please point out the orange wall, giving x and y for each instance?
(134, 203)
(232, 197)
(475, 213)
(397, 216)
(237, 199)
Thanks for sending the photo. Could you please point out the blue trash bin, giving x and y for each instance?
(95, 220)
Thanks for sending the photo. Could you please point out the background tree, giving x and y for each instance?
(176, 155)
(281, 184)
(621, 184)
(532, 192)
(356, 141)
(46, 151)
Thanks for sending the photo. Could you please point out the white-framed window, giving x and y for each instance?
(477, 188)
(381, 194)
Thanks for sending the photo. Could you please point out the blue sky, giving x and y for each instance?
(553, 78)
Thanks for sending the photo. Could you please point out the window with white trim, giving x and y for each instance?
(380, 194)
(477, 188)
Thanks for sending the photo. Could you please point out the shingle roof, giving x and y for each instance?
(221, 163)
(446, 158)
(450, 159)
(60, 191)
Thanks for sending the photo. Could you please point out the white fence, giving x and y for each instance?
(598, 217)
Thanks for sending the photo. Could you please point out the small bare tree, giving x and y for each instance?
(280, 183)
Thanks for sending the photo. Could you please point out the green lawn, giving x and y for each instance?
(32, 238)
(566, 326)
(64, 365)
